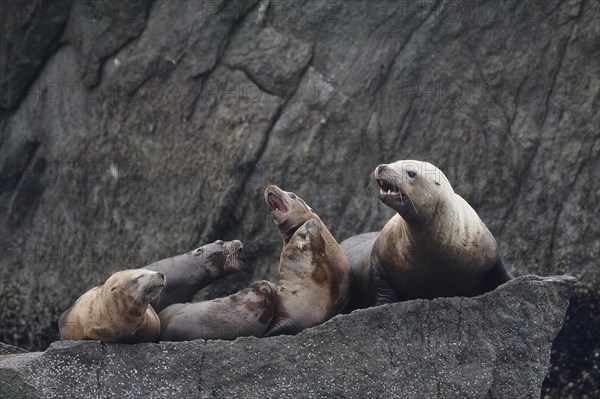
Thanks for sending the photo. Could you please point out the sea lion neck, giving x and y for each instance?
(415, 223)
(287, 230)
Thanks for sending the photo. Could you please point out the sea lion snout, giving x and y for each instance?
(274, 197)
(234, 248)
(151, 284)
(233, 251)
(390, 184)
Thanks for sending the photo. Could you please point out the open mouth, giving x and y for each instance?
(237, 251)
(389, 189)
(275, 203)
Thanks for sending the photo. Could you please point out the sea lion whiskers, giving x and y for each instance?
(134, 300)
(370, 185)
(412, 203)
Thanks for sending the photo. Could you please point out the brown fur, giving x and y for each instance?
(188, 273)
(314, 274)
(244, 313)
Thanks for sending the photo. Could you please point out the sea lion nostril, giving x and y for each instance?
(380, 168)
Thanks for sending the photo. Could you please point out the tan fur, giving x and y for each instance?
(314, 274)
(436, 244)
(117, 311)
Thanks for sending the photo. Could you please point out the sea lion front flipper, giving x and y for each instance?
(384, 293)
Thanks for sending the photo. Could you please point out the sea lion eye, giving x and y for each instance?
(131, 284)
(292, 196)
(113, 288)
(411, 174)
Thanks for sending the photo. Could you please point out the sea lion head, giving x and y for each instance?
(137, 286)
(414, 189)
(287, 210)
(222, 255)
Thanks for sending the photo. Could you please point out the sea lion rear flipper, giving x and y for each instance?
(280, 325)
(497, 275)
(384, 293)
(62, 322)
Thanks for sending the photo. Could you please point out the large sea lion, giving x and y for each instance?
(245, 313)
(435, 246)
(117, 311)
(188, 273)
(314, 274)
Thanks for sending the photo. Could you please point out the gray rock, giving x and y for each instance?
(6, 349)
(31, 32)
(493, 346)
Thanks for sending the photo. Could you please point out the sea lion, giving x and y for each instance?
(245, 313)
(188, 273)
(314, 274)
(358, 251)
(117, 311)
(435, 246)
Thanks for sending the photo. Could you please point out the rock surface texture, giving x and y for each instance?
(493, 346)
(132, 131)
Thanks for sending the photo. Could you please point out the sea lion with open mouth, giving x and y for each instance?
(435, 246)
(314, 275)
(188, 273)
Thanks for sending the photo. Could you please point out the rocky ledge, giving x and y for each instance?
(495, 345)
